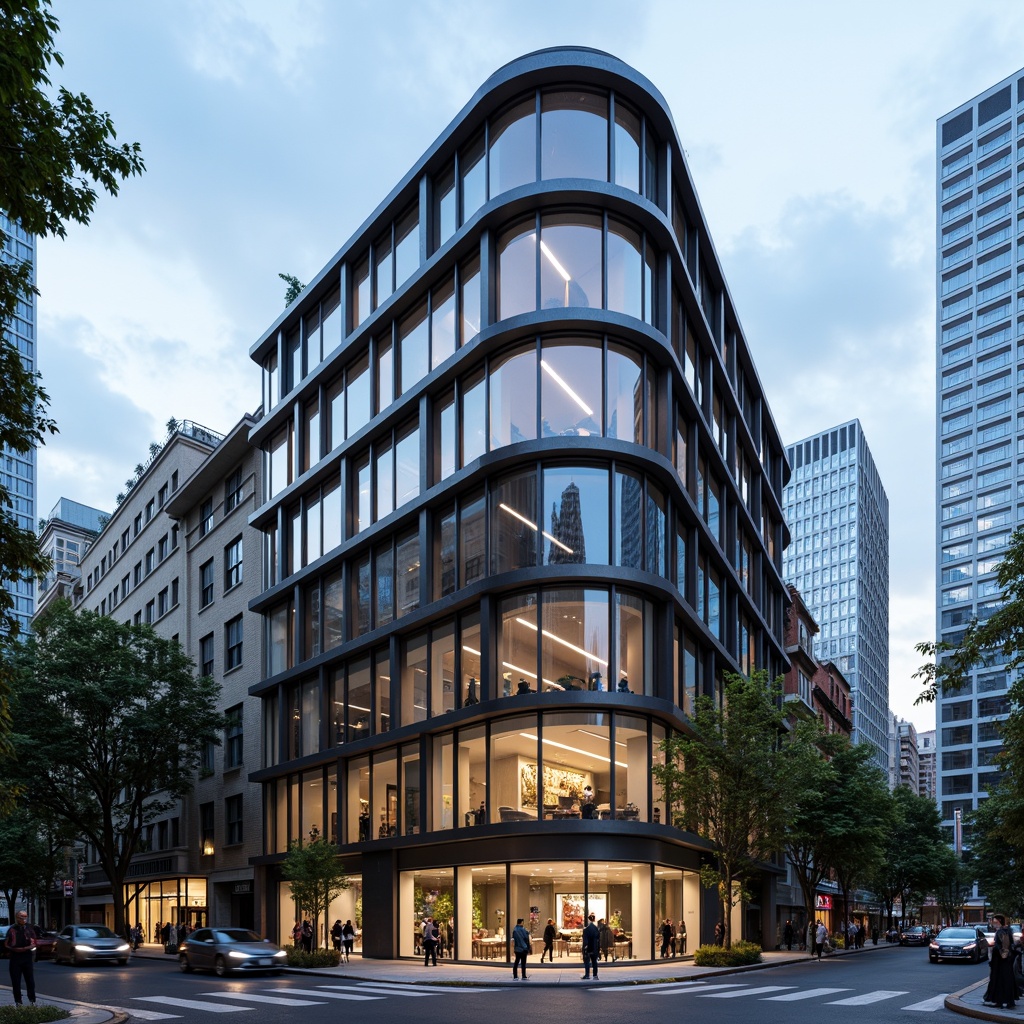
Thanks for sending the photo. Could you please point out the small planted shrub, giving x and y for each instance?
(31, 1014)
(716, 956)
(298, 957)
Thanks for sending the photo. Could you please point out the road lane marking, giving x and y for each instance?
(322, 994)
(153, 1015)
(697, 988)
(935, 1003)
(648, 989)
(810, 993)
(868, 997)
(382, 989)
(441, 989)
(190, 1004)
(255, 997)
(748, 992)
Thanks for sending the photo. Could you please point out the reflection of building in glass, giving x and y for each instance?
(567, 541)
(501, 671)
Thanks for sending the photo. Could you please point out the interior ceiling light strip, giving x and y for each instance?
(565, 387)
(533, 526)
(564, 643)
(573, 750)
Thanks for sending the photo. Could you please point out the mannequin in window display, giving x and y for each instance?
(471, 692)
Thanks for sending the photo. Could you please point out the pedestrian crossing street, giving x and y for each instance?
(774, 993)
(280, 995)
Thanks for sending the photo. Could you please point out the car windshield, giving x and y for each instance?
(99, 932)
(957, 933)
(236, 935)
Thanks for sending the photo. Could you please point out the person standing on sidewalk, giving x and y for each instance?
(21, 937)
(521, 948)
(820, 938)
(591, 948)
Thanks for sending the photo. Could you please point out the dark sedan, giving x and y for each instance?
(916, 936)
(224, 950)
(959, 944)
(80, 943)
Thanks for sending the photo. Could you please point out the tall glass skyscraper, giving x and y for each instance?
(838, 512)
(980, 435)
(18, 472)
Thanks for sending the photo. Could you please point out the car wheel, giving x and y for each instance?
(220, 967)
(123, 963)
(183, 965)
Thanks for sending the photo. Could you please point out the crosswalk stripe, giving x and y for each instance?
(325, 995)
(154, 1015)
(384, 990)
(401, 987)
(935, 1003)
(810, 993)
(255, 997)
(697, 988)
(649, 989)
(868, 997)
(190, 1004)
(748, 992)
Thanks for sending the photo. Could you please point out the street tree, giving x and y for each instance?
(913, 844)
(31, 854)
(316, 876)
(56, 150)
(109, 724)
(726, 782)
(954, 883)
(998, 864)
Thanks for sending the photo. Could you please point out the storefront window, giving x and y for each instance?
(512, 154)
(574, 638)
(570, 396)
(514, 523)
(574, 135)
(575, 778)
(513, 398)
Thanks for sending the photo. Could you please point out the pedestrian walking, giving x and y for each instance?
(591, 948)
(820, 939)
(430, 937)
(348, 937)
(336, 935)
(21, 938)
(549, 942)
(521, 946)
(787, 934)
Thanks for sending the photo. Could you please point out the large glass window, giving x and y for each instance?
(574, 638)
(472, 540)
(570, 396)
(415, 348)
(635, 648)
(576, 499)
(629, 534)
(574, 135)
(473, 170)
(474, 418)
(414, 680)
(442, 323)
(358, 394)
(407, 467)
(570, 266)
(625, 395)
(513, 398)
(444, 571)
(517, 270)
(514, 523)
(407, 573)
(469, 276)
(627, 147)
(517, 646)
(513, 746)
(442, 669)
(469, 658)
(625, 270)
(513, 149)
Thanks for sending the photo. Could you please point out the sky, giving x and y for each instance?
(272, 128)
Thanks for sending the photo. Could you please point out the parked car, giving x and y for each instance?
(990, 937)
(224, 950)
(80, 943)
(958, 943)
(44, 942)
(916, 936)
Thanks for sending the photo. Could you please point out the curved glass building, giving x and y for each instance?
(522, 505)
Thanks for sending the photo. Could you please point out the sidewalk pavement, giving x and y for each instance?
(967, 1002)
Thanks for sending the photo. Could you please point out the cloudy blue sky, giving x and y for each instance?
(272, 128)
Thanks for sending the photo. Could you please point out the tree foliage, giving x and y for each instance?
(998, 864)
(954, 883)
(109, 724)
(294, 290)
(31, 853)
(56, 150)
(727, 782)
(316, 876)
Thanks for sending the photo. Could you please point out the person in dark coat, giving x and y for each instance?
(336, 935)
(521, 947)
(787, 935)
(21, 937)
(606, 939)
(591, 948)
(348, 935)
(666, 937)
(549, 942)
(1002, 987)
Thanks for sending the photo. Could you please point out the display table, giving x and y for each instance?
(489, 949)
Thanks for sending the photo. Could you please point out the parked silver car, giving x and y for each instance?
(80, 943)
(223, 950)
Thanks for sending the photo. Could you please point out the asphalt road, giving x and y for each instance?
(900, 986)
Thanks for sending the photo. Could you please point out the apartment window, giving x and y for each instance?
(206, 584)
(161, 601)
(233, 490)
(162, 548)
(150, 507)
(233, 737)
(233, 644)
(174, 592)
(174, 538)
(206, 758)
(161, 496)
(137, 525)
(233, 564)
(206, 517)
(206, 829)
(125, 540)
(125, 587)
(206, 655)
(174, 481)
(150, 611)
(233, 819)
(150, 560)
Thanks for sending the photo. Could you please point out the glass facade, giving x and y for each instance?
(838, 512)
(519, 587)
(979, 436)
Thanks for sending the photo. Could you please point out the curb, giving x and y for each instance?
(956, 1004)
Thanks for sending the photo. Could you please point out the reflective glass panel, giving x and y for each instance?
(446, 437)
(517, 271)
(513, 398)
(574, 638)
(385, 461)
(472, 540)
(358, 394)
(444, 578)
(474, 421)
(627, 147)
(414, 345)
(469, 276)
(384, 586)
(625, 283)
(407, 246)
(517, 644)
(442, 669)
(576, 500)
(628, 513)
(407, 573)
(634, 632)
(473, 169)
(574, 135)
(570, 397)
(625, 395)
(442, 323)
(414, 679)
(513, 147)
(407, 467)
(570, 264)
(514, 523)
